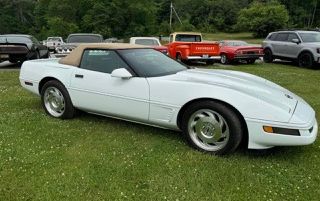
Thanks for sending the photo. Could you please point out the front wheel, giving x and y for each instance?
(268, 56)
(224, 59)
(306, 60)
(56, 100)
(212, 127)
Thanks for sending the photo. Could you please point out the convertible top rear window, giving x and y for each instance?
(151, 63)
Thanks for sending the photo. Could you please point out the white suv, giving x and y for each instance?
(300, 46)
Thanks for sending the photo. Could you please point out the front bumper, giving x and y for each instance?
(203, 58)
(302, 120)
(248, 56)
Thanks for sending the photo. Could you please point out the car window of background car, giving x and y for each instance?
(35, 41)
(54, 39)
(310, 37)
(188, 38)
(84, 39)
(292, 36)
(151, 63)
(15, 39)
(282, 37)
(239, 43)
(104, 61)
(148, 42)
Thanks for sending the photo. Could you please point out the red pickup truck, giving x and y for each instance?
(186, 46)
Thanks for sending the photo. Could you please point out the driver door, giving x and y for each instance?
(93, 89)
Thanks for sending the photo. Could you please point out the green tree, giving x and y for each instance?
(262, 18)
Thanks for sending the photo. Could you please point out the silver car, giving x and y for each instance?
(300, 46)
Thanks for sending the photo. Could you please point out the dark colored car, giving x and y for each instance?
(74, 40)
(19, 48)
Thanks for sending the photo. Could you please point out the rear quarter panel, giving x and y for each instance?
(35, 71)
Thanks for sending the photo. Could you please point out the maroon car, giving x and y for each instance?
(234, 50)
(18, 48)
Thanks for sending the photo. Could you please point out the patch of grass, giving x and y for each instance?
(97, 158)
(248, 37)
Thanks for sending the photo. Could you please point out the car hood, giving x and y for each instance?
(251, 85)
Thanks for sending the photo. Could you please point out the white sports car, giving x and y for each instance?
(215, 109)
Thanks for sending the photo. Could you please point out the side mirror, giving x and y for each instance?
(295, 40)
(121, 73)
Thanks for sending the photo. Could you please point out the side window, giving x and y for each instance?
(104, 61)
(282, 37)
(292, 36)
(272, 36)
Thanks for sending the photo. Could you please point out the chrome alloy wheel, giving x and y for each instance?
(54, 101)
(208, 130)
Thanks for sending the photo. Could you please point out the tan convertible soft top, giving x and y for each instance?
(74, 58)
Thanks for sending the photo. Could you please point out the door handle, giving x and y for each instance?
(78, 76)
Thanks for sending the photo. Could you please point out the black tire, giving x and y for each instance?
(36, 55)
(251, 61)
(268, 56)
(14, 61)
(179, 58)
(224, 59)
(210, 62)
(69, 110)
(231, 118)
(46, 56)
(306, 60)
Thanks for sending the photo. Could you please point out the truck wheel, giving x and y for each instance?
(224, 59)
(212, 127)
(268, 56)
(178, 57)
(306, 60)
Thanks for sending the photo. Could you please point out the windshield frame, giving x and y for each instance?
(139, 73)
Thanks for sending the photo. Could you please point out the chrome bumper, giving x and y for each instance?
(203, 58)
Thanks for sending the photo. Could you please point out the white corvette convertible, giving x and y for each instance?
(215, 109)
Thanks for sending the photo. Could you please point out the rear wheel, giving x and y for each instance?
(56, 100)
(268, 56)
(306, 60)
(212, 127)
(178, 57)
(224, 59)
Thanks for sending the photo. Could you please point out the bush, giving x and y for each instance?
(263, 18)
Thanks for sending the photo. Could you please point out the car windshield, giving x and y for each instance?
(151, 63)
(14, 39)
(54, 39)
(84, 39)
(311, 37)
(147, 42)
(188, 38)
(238, 43)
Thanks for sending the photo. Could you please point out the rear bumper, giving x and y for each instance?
(203, 58)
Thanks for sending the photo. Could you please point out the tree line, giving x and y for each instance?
(123, 18)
